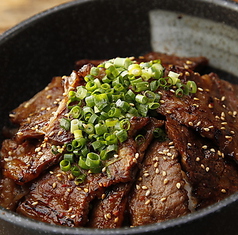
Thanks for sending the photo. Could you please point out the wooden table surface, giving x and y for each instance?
(13, 12)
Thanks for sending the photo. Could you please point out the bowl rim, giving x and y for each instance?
(18, 220)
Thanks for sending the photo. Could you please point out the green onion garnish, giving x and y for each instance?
(99, 112)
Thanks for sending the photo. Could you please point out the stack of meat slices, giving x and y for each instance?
(195, 166)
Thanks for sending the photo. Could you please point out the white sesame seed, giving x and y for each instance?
(163, 199)
(197, 159)
(54, 185)
(223, 98)
(147, 193)
(210, 106)
(85, 190)
(144, 187)
(164, 173)
(34, 203)
(147, 202)
(70, 209)
(223, 190)
(156, 165)
(137, 155)
(146, 174)
(188, 62)
(228, 137)
(109, 216)
(200, 89)
(166, 181)
(224, 123)
(178, 185)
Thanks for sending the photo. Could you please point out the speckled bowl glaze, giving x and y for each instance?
(49, 43)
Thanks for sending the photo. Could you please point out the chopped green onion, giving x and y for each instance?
(122, 135)
(89, 128)
(93, 160)
(65, 165)
(69, 147)
(153, 105)
(174, 77)
(192, 86)
(75, 171)
(100, 129)
(74, 125)
(114, 112)
(140, 139)
(90, 101)
(97, 144)
(69, 157)
(111, 122)
(82, 163)
(159, 134)
(122, 62)
(125, 124)
(99, 112)
(80, 179)
(81, 92)
(123, 105)
(135, 69)
(78, 134)
(111, 139)
(79, 143)
(141, 99)
(179, 92)
(65, 124)
(94, 71)
(75, 112)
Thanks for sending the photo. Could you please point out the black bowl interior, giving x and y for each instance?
(48, 45)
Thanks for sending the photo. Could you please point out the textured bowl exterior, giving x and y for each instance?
(49, 43)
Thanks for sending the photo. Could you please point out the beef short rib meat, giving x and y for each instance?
(159, 193)
(110, 211)
(25, 162)
(207, 111)
(211, 176)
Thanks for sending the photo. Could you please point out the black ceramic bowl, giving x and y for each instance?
(48, 44)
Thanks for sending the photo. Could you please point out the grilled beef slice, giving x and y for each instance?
(11, 193)
(159, 193)
(52, 197)
(25, 162)
(211, 176)
(110, 210)
(35, 113)
(207, 111)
